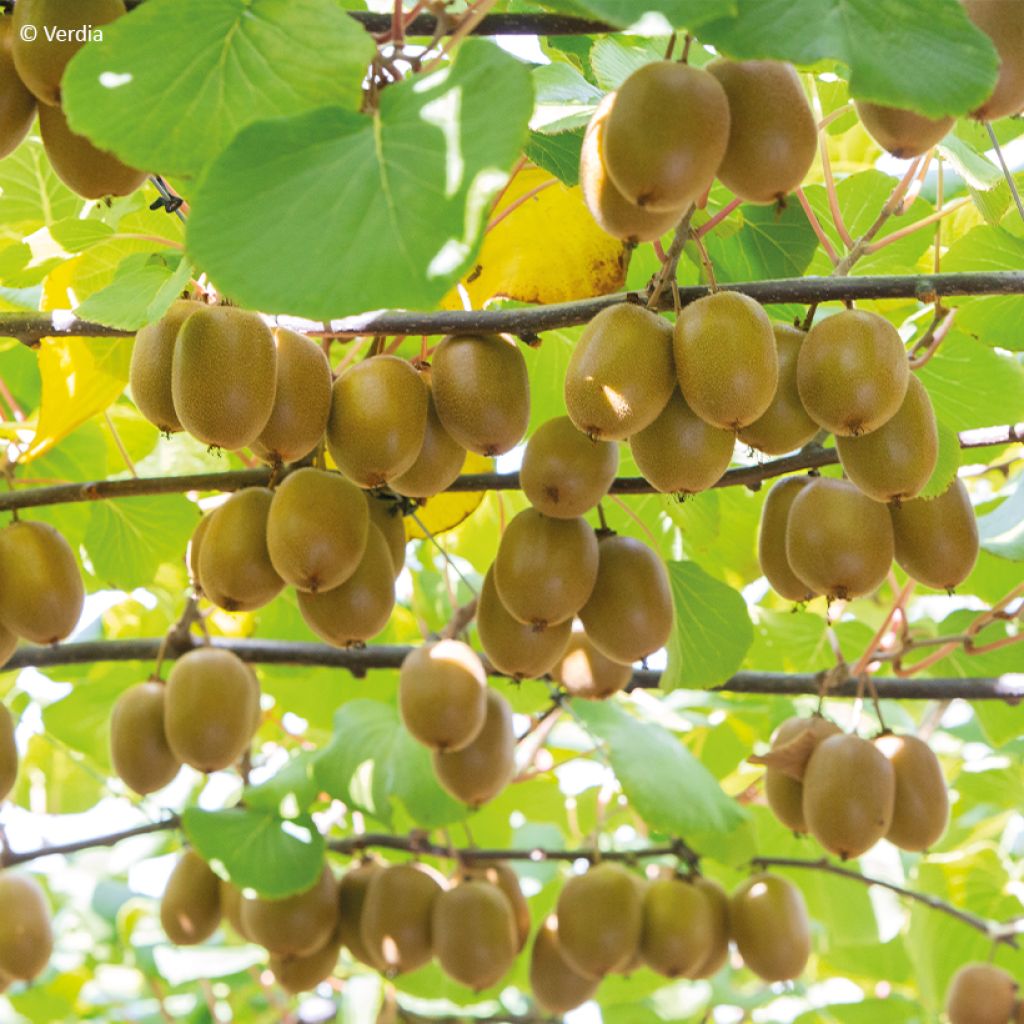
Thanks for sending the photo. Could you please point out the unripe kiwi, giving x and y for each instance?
(378, 420)
(484, 767)
(195, 543)
(565, 473)
(235, 569)
(481, 391)
(629, 614)
(785, 426)
(511, 646)
(8, 753)
(386, 515)
(41, 591)
(725, 359)
(679, 453)
(620, 374)
(921, 811)
(849, 795)
(303, 973)
(317, 527)
(771, 540)
(352, 889)
(211, 708)
(297, 925)
(438, 464)
(839, 542)
(785, 794)
(442, 694)
(666, 135)
(981, 994)
(150, 371)
(557, 986)
(397, 917)
(772, 134)
(302, 399)
(359, 608)
(17, 104)
(231, 901)
(1001, 21)
(500, 874)
(678, 927)
(26, 938)
(190, 907)
(224, 376)
(585, 672)
(904, 133)
(717, 948)
(139, 751)
(896, 460)
(937, 538)
(545, 568)
(852, 372)
(768, 919)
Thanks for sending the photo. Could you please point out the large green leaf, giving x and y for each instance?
(1002, 530)
(142, 290)
(201, 70)
(678, 13)
(770, 244)
(334, 212)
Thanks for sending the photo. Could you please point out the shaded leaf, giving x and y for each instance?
(1002, 530)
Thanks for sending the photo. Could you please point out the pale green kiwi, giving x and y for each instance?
(378, 420)
(904, 133)
(678, 927)
(190, 908)
(499, 873)
(981, 994)
(316, 529)
(717, 949)
(474, 933)
(438, 464)
(297, 974)
(921, 812)
(565, 473)
(139, 751)
(1001, 21)
(150, 371)
(768, 919)
(195, 543)
(785, 794)
(557, 986)
(771, 540)
(773, 137)
(629, 614)
(8, 753)
(26, 933)
(585, 672)
(679, 453)
(224, 376)
(41, 590)
(725, 359)
(352, 889)
(297, 925)
(386, 515)
(667, 134)
(397, 915)
(620, 374)
(17, 104)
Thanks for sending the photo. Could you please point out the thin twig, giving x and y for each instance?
(669, 265)
(1006, 170)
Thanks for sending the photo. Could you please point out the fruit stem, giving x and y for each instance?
(823, 239)
(709, 270)
(671, 263)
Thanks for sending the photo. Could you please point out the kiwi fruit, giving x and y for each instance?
(224, 376)
(190, 907)
(773, 137)
(981, 994)
(784, 793)
(666, 135)
(895, 461)
(903, 133)
(545, 568)
(716, 950)
(397, 917)
(231, 901)
(474, 933)
(481, 391)
(936, 539)
(41, 591)
(852, 372)
(768, 920)
(211, 708)
(42, 57)
(921, 812)
(150, 371)
(352, 889)
(386, 515)
(8, 753)
(511, 646)
(501, 874)
(316, 529)
(484, 767)
(838, 541)
(785, 426)
(849, 795)
(360, 607)
(138, 745)
(557, 986)
(378, 420)
(585, 672)
(565, 473)
(678, 926)
(771, 540)
(620, 374)
(612, 211)
(442, 694)
(8, 644)
(17, 104)
(302, 399)
(192, 551)
(600, 919)
(725, 358)
(629, 614)
(679, 453)
(297, 925)
(297, 974)
(235, 570)
(1001, 21)
(26, 937)
(438, 464)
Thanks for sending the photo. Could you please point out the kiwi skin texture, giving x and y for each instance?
(921, 812)
(1001, 21)
(438, 464)
(8, 753)
(556, 985)
(501, 874)
(678, 927)
(138, 744)
(397, 915)
(150, 371)
(717, 948)
(981, 994)
(352, 889)
(190, 908)
(303, 973)
(387, 517)
(26, 940)
(474, 933)
(785, 795)
(771, 540)
(585, 672)
(17, 104)
(769, 925)
(903, 133)
(297, 925)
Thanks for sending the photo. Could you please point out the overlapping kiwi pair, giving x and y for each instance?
(849, 792)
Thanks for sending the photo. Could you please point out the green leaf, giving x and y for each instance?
(614, 58)
(31, 195)
(368, 212)
(946, 465)
(74, 234)
(143, 289)
(257, 849)
(204, 69)
(712, 630)
(678, 13)
(769, 244)
(924, 55)
(1002, 530)
(975, 168)
(557, 154)
(291, 790)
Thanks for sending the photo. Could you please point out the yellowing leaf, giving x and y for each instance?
(546, 249)
(445, 511)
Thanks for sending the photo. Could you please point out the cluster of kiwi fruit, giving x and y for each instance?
(849, 792)
(983, 994)
(31, 68)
